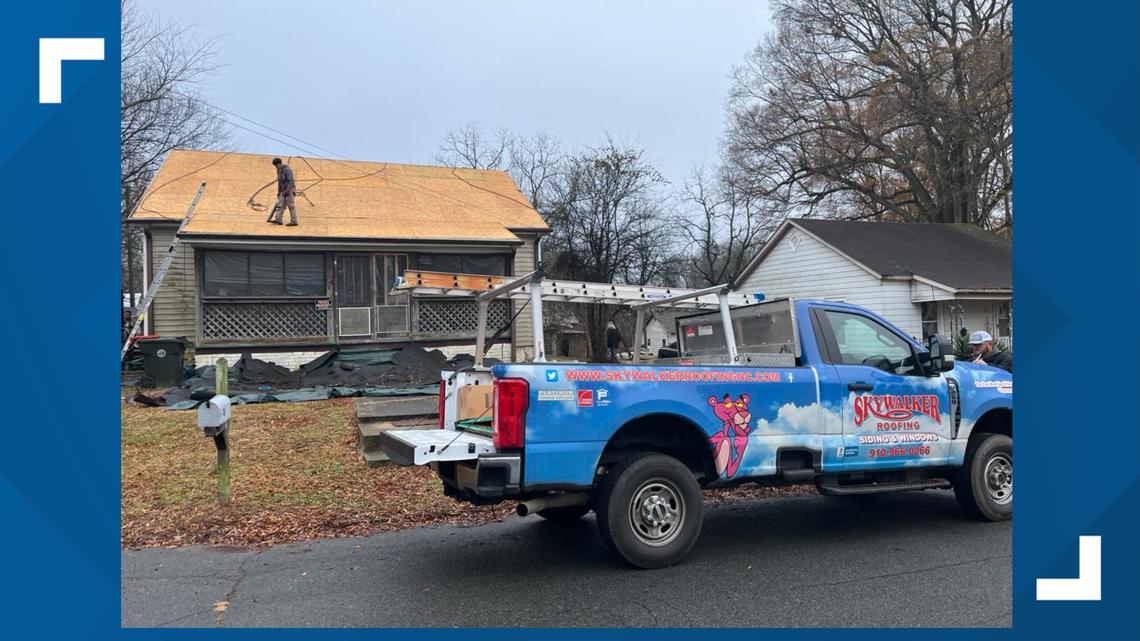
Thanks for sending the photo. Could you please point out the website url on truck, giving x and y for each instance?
(662, 376)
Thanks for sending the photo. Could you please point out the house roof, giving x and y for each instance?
(958, 256)
(338, 199)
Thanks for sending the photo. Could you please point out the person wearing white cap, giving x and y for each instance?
(986, 354)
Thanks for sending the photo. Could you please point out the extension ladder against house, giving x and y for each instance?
(163, 268)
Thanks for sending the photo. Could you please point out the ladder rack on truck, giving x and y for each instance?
(535, 288)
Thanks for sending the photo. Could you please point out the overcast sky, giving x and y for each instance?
(385, 81)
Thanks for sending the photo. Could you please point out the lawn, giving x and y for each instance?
(296, 475)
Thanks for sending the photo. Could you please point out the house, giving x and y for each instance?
(926, 278)
(661, 327)
(287, 294)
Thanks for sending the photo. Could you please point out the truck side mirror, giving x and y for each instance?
(937, 358)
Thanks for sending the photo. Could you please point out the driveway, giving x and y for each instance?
(892, 560)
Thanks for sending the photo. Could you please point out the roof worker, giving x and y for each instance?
(986, 354)
(286, 192)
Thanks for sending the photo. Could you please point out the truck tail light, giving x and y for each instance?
(442, 400)
(508, 422)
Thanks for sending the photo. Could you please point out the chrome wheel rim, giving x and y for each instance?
(657, 512)
(999, 479)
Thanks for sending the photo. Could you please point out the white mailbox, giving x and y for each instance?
(214, 413)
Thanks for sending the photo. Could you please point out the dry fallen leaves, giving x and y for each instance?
(296, 475)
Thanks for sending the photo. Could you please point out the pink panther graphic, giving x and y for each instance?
(729, 443)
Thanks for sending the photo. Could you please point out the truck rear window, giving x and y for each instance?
(764, 328)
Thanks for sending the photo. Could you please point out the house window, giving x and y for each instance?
(929, 319)
(1003, 319)
(486, 264)
(230, 274)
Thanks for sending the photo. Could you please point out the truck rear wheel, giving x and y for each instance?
(984, 486)
(564, 515)
(650, 510)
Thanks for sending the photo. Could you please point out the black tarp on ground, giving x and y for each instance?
(338, 373)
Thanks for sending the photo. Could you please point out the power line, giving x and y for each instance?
(262, 125)
(276, 131)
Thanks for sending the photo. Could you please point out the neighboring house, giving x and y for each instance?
(661, 327)
(286, 293)
(926, 278)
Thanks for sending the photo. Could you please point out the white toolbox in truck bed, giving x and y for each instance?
(420, 447)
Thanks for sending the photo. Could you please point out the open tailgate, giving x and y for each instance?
(420, 447)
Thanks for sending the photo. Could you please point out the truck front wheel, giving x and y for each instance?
(650, 510)
(985, 483)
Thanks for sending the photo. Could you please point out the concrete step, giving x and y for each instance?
(395, 409)
(375, 459)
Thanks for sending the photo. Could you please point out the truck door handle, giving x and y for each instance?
(860, 387)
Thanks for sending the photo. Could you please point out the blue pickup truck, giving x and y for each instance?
(814, 391)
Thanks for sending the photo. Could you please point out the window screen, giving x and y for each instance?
(353, 281)
(266, 275)
(486, 264)
(263, 274)
(226, 274)
(305, 274)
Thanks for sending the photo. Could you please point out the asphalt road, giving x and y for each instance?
(892, 560)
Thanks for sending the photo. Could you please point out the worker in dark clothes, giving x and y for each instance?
(286, 193)
(986, 354)
(613, 340)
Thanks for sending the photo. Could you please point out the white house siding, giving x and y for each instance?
(174, 311)
(811, 269)
(523, 332)
(656, 334)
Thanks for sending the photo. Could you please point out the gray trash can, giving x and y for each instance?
(162, 361)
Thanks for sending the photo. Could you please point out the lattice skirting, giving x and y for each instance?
(458, 317)
(222, 321)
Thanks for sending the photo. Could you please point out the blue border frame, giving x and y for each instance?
(1076, 263)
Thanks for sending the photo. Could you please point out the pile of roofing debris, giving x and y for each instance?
(344, 372)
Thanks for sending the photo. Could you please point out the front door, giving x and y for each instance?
(391, 307)
(366, 306)
(894, 416)
(353, 289)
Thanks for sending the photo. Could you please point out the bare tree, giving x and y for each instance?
(608, 224)
(535, 162)
(532, 160)
(880, 109)
(472, 148)
(160, 109)
(721, 224)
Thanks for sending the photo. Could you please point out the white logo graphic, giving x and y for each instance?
(53, 51)
(1086, 587)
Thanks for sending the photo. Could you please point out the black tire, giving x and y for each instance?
(564, 515)
(668, 522)
(984, 485)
